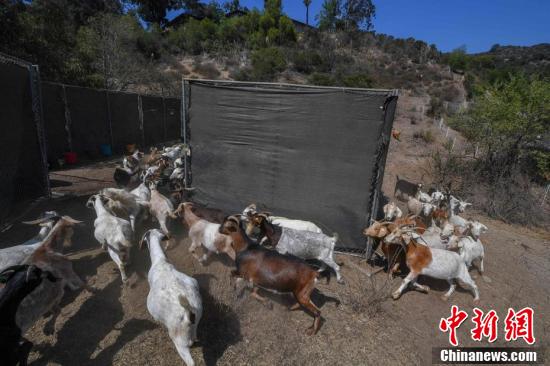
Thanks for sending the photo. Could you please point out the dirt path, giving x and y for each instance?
(112, 326)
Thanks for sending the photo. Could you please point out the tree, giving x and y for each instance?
(109, 45)
(154, 11)
(330, 14)
(274, 9)
(232, 6)
(358, 14)
(307, 3)
(509, 121)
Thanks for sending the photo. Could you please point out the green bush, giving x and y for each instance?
(306, 61)
(267, 62)
(424, 135)
(360, 80)
(319, 78)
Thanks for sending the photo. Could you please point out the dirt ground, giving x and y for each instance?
(361, 323)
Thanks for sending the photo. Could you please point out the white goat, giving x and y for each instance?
(416, 207)
(113, 233)
(283, 221)
(423, 196)
(437, 197)
(174, 152)
(124, 204)
(477, 229)
(392, 212)
(160, 207)
(458, 206)
(470, 250)
(142, 193)
(174, 298)
(16, 255)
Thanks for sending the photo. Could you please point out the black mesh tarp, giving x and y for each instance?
(125, 121)
(173, 119)
(89, 125)
(22, 166)
(54, 121)
(153, 120)
(303, 153)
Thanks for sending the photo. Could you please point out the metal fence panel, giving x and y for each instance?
(22, 166)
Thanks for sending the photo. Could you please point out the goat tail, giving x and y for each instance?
(185, 304)
(324, 272)
(335, 236)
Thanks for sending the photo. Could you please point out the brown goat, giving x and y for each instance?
(273, 271)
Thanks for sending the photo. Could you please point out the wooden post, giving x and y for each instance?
(545, 194)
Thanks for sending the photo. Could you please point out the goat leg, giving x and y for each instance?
(23, 351)
(49, 328)
(294, 307)
(262, 299)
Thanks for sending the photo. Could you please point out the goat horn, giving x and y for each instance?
(37, 221)
(71, 220)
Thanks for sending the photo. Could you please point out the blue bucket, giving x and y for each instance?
(106, 149)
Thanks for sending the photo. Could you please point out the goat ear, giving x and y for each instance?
(144, 238)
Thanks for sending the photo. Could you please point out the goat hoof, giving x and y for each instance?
(310, 331)
(476, 301)
(425, 289)
(445, 298)
(395, 295)
(269, 305)
(341, 281)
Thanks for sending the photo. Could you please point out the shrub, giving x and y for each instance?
(436, 107)
(323, 79)
(306, 61)
(206, 69)
(357, 81)
(425, 135)
(266, 63)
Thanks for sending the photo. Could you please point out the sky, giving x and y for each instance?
(477, 24)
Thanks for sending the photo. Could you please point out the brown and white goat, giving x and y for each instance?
(47, 296)
(270, 270)
(203, 232)
(394, 254)
(432, 262)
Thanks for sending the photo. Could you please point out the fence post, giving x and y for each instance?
(140, 116)
(184, 107)
(164, 137)
(109, 120)
(68, 121)
(545, 194)
(38, 116)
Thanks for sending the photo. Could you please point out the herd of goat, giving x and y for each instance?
(270, 252)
